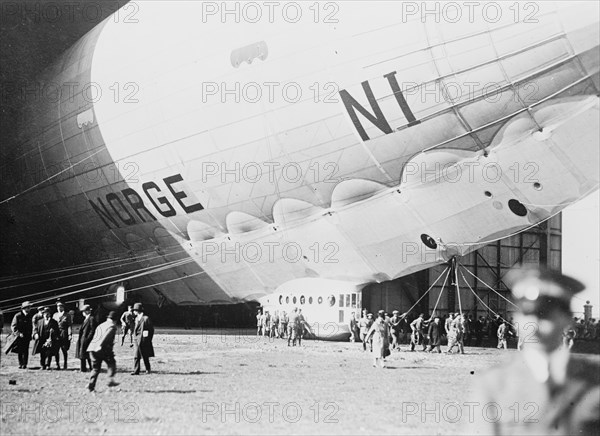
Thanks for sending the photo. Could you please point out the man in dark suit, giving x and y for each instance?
(143, 333)
(46, 337)
(86, 334)
(544, 389)
(435, 335)
(22, 329)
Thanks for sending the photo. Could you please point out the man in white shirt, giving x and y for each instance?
(544, 389)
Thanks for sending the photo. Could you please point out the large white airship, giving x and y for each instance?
(288, 152)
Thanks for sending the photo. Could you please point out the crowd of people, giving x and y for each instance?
(52, 334)
(562, 385)
(281, 325)
(456, 329)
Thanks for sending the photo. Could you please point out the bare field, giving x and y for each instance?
(236, 384)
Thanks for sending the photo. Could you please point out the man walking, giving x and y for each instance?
(416, 337)
(364, 325)
(46, 337)
(283, 323)
(65, 333)
(258, 323)
(86, 334)
(395, 329)
(503, 332)
(293, 327)
(22, 328)
(101, 350)
(435, 335)
(127, 325)
(143, 333)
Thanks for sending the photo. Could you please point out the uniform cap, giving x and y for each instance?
(111, 315)
(59, 303)
(540, 290)
(46, 310)
(138, 307)
(25, 304)
(395, 312)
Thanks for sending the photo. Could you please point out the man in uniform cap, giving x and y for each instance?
(101, 350)
(555, 392)
(65, 333)
(143, 333)
(22, 329)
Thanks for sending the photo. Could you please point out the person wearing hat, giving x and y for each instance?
(101, 349)
(65, 333)
(143, 333)
(435, 335)
(448, 323)
(258, 323)
(283, 324)
(380, 345)
(417, 336)
(46, 338)
(395, 325)
(456, 334)
(39, 315)
(292, 327)
(555, 392)
(127, 325)
(86, 334)
(21, 330)
(353, 327)
(364, 325)
(503, 333)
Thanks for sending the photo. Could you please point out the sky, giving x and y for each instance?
(580, 250)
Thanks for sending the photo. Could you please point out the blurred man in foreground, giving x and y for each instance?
(544, 389)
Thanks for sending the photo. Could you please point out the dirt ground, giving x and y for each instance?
(231, 383)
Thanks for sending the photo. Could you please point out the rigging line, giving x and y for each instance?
(48, 178)
(457, 288)
(66, 268)
(427, 291)
(477, 296)
(136, 258)
(15, 308)
(141, 287)
(168, 264)
(441, 292)
(489, 287)
(155, 284)
(91, 271)
(97, 286)
(59, 270)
